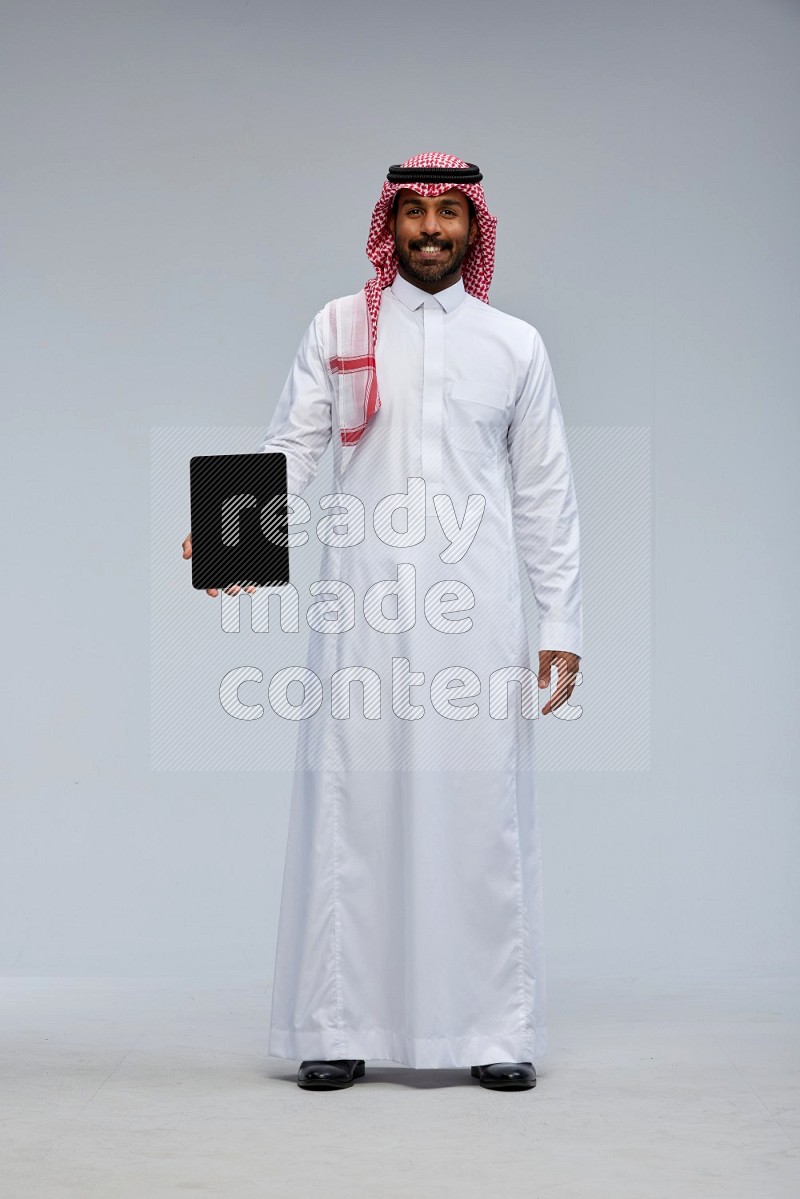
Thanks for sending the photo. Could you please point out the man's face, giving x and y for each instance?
(432, 235)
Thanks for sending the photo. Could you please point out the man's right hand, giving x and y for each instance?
(212, 591)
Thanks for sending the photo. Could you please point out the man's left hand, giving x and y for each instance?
(567, 667)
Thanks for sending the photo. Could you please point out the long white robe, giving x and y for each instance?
(411, 917)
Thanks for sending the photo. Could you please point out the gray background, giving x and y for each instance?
(185, 184)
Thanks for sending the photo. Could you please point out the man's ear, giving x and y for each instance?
(391, 220)
(473, 230)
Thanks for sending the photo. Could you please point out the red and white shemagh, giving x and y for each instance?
(355, 329)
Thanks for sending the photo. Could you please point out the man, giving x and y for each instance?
(411, 916)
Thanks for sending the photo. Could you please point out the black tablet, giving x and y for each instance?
(239, 520)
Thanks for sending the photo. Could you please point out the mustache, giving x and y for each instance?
(440, 245)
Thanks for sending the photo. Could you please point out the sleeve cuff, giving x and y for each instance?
(561, 635)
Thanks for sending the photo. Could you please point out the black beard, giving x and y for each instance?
(436, 271)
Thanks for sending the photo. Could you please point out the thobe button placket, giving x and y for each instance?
(432, 401)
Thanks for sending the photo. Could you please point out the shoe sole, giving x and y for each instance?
(508, 1086)
(325, 1086)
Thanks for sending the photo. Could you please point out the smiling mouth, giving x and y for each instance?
(430, 251)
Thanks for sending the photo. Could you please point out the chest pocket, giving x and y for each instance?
(475, 418)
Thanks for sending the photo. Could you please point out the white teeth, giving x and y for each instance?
(430, 249)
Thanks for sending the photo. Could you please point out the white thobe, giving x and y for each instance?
(411, 915)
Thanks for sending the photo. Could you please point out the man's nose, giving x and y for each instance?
(430, 224)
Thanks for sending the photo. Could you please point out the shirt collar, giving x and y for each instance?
(414, 297)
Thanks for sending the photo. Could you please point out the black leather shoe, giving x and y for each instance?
(330, 1076)
(506, 1076)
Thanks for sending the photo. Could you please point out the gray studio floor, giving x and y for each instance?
(161, 1087)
